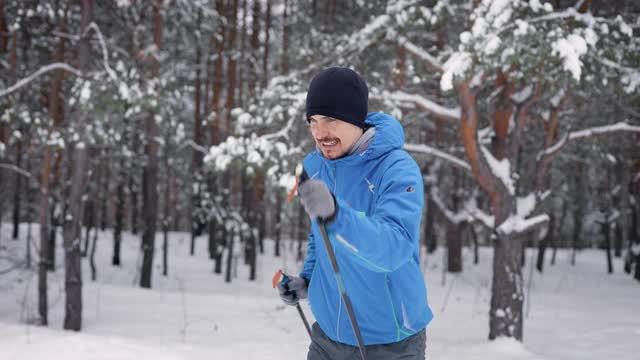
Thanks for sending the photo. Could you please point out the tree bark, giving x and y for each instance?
(544, 243)
(17, 192)
(119, 221)
(505, 317)
(166, 217)
(265, 58)
(255, 45)
(92, 255)
(278, 224)
(150, 170)
(231, 66)
(606, 232)
(285, 39)
(104, 197)
(196, 155)
(218, 80)
(232, 238)
(73, 268)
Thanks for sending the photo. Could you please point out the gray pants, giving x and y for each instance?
(323, 348)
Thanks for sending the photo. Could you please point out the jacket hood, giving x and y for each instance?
(389, 134)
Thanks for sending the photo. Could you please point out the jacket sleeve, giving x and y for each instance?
(389, 237)
(310, 260)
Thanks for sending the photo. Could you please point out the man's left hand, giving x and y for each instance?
(317, 200)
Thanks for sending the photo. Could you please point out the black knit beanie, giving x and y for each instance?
(339, 93)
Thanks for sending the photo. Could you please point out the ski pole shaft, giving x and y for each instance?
(343, 290)
(304, 319)
(302, 174)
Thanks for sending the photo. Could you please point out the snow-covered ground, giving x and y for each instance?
(576, 312)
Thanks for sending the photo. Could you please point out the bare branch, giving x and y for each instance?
(42, 70)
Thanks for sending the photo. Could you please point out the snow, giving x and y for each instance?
(570, 49)
(424, 104)
(425, 149)
(419, 52)
(492, 45)
(501, 169)
(574, 313)
(526, 205)
(456, 66)
(518, 224)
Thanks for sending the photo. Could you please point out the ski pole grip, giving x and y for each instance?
(302, 173)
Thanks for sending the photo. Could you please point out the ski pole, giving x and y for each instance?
(285, 281)
(303, 176)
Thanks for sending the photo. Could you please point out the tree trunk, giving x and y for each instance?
(17, 192)
(218, 80)
(255, 45)
(506, 291)
(278, 223)
(119, 221)
(133, 192)
(92, 255)
(4, 41)
(474, 236)
(578, 211)
(285, 39)
(150, 171)
(196, 155)
(73, 268)
(606, 231)
(51, 256)
(265, 58)
(232, 239)
(89, 224)
(104, 213)
(231, 66)
(212, 231)
(542, 246)
(44, 238)
(166, 218)
(454, 247)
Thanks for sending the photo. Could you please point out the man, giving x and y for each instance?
(369, 193)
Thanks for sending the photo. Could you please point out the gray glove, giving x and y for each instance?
(292, 289)
(317, 200)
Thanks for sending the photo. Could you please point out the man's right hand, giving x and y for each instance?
(292, 289)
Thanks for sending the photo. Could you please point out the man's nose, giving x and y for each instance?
(321, 132)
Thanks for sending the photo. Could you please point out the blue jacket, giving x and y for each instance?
(376, 240)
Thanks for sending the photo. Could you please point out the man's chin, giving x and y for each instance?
(331, 155)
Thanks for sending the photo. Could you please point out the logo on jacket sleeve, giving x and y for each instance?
(410, 189)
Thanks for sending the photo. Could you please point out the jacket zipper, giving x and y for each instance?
(335, 189)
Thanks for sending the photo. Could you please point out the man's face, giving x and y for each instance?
(334, 137)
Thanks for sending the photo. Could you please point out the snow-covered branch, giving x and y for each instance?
(587, 133)
(105, 52)
(421, 148)
(420, 53)
(455, 218)
(471, 208)
(192, 144)
(500, 168)
(517, 224)
(422, 103)
(41, 71)
(282, 133)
